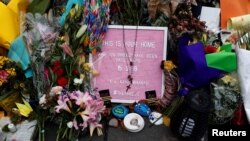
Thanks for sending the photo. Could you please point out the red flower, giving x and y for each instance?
(62, 81)
(58, 71)
(56, 63)
(210, 49)
(75, 72)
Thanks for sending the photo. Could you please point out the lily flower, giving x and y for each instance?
(66, 49)
(80, 97)
(93, 126)
(96, 106)
(75, 124)
(62, 104)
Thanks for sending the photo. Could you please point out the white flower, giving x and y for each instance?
(56, 90)
(78, 81)
(42, 101)
(81, 31)
(70, 124)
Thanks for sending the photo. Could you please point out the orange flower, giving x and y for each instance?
(169, 65)
(166, 121)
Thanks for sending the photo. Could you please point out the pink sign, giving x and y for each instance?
(147, 45)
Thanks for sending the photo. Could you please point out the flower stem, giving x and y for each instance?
(58, 132)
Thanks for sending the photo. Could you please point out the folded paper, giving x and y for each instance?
(193, 69)
(224, 60)
(19, 53)
(233, 8)
(238, 22)
(243, 57)
(10, 21)
(24, 109)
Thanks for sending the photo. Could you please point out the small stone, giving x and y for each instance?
(113, 122)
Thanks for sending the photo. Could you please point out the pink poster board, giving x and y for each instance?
(150, 45)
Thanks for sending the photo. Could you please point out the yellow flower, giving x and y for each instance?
(81, 60)
(82, 76)
(226, 79)
(11, 71)
(169, 65)
(166, 121)
(86, 67)
(3, 60)
(95, 73)
(1, 82)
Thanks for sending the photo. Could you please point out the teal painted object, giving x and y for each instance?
(68, 7)
(18, 52)
(142, 109)
(120, 111)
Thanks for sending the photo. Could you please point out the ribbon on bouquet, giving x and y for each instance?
(197, 69)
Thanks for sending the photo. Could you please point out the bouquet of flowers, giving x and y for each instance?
(225, 97)
(13, 84)
(61, 67)
(73, 111)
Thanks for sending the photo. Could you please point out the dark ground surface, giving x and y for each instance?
(154, 133)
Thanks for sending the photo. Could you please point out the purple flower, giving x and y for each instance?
(80, 97)
(62, 104)
(93, 125)
(91, 114)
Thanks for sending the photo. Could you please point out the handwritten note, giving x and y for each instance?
(150, 49)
